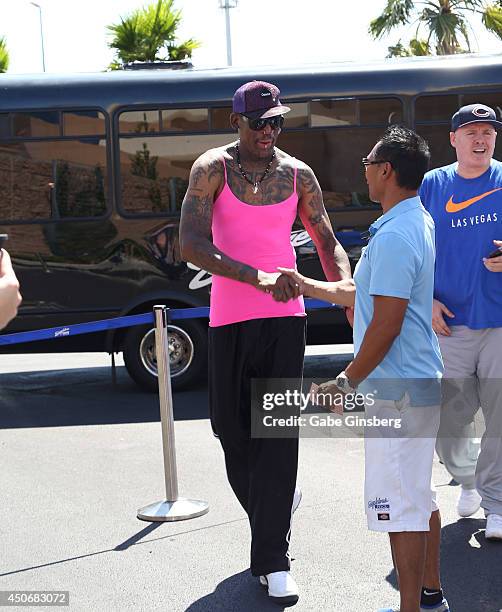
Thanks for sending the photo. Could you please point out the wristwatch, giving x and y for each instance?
(344, 384)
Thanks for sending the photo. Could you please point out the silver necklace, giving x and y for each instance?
(258, 182)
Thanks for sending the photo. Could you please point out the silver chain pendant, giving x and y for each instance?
(255, 184)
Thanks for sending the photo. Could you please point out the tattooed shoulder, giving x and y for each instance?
(206, 174)
(307, 179)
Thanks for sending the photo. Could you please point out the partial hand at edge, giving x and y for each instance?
(438, 322)
(10, 298)
(494, 264)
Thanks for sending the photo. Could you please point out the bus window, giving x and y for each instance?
(83, 123)
(220, 118)
(43, 124)
(185, 120)
(298, 116)
(435, 108)
(155, 171)
(43, 180)
(4, 125)
(498, 149)
(335, 156)
(380, 111)
(438, 138)
(324, 113)
(139, 122)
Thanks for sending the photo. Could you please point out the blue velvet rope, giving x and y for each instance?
(129, 321)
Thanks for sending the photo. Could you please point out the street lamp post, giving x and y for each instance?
(227, 5)
(41, 33)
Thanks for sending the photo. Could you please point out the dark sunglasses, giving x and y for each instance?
(366, 162)
(259, 124)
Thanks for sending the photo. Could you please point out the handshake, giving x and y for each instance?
(285, 285)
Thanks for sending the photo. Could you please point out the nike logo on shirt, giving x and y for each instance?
(453, 207)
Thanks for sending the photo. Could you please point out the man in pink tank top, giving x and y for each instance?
(236, 223)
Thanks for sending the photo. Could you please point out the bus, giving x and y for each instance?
(94, 168)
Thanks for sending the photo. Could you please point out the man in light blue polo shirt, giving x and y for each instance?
(397, 364)
(399, 262)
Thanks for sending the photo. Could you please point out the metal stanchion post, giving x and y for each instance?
(114, 370)
(173, 508)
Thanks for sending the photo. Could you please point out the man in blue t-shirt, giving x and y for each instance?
(465, 201)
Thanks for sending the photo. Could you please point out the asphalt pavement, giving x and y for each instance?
(80, 457)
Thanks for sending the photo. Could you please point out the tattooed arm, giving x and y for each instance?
(196, 245)
(334, 260)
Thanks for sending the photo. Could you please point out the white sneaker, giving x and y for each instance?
(468, 502)
(282, 588)
(297, 498)
(281, 585)
(493, 527)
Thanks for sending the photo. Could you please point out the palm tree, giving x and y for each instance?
(4, 55)
(142, 35)
(445, 23)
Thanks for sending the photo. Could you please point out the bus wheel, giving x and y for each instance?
(187, 355)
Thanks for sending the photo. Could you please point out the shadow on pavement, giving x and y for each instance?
(470, 568)
(86, 397)
(133, 540)
(239, 593)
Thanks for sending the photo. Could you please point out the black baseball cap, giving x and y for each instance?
(258, 100)
(474, 113)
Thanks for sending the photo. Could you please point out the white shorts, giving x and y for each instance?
(398, 491)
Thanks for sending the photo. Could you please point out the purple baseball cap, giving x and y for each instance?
(258, 100)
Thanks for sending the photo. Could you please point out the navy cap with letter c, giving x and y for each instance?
(474, 113)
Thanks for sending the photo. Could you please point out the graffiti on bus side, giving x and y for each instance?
(201, 279)
(204, 278)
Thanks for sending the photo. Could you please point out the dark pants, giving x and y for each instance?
(261, 471)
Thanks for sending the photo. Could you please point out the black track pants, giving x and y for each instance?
(261, 471)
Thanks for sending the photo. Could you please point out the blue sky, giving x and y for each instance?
(283, 32)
